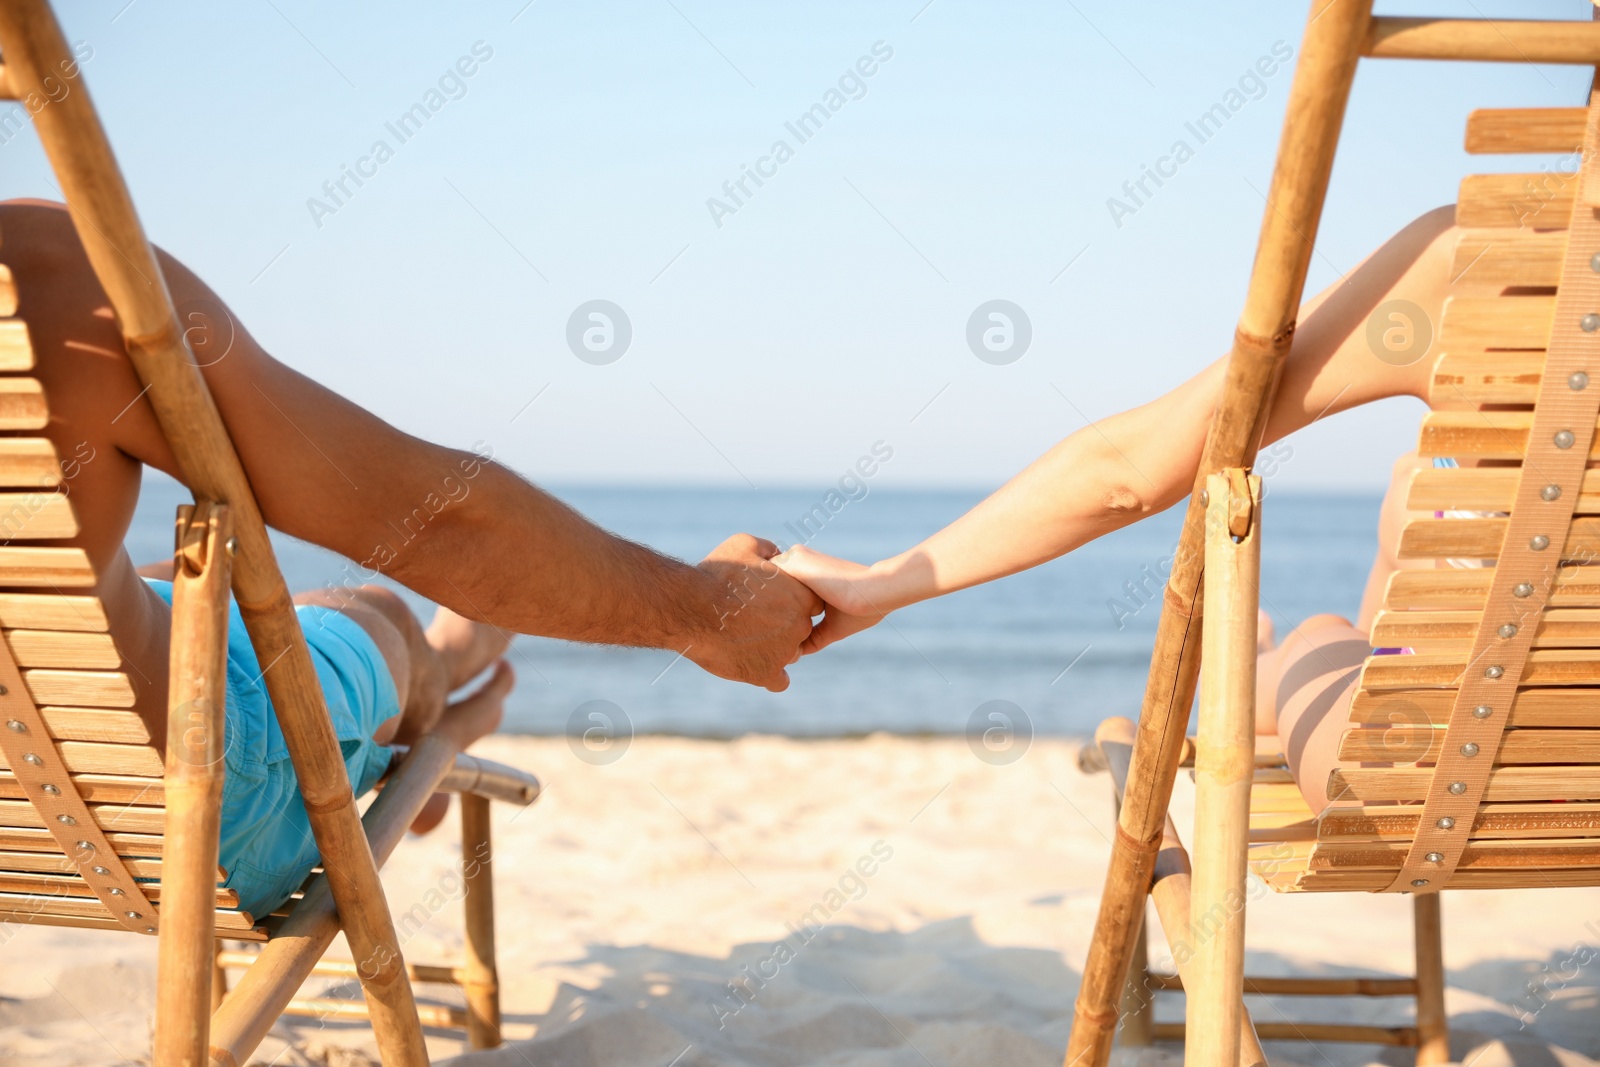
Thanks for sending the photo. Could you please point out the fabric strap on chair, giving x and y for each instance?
(1554, 459)
(40, 770)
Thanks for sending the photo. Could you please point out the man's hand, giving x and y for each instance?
(762, 617)
(848, 590)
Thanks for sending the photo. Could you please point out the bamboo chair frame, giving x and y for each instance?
(1338, 34)
(223, 542)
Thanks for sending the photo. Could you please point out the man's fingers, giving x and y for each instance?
(778, 683)
(764, 548)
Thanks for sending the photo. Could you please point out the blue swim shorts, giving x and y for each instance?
(267, 848)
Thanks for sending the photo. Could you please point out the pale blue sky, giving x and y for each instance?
(832, 306)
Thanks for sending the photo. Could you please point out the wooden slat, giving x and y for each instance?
(1529, 708)
(36, 516)
(1417, 743)
(47, 611)
(56, 863)
(1479, 434)
(1468, 587)
(1473, 323)
(22, 839)
(257, 934)
(1376, 881)
(1487, 377)
(29, 462)
(1532, 201)
(93, 689)
(1558, 666)
(1485, 489)
(1453, 631)
(1398, 822)
(74, 886)
(100, 788)
(1525, 130)
(34, 567)
(1481, 539)
(93, 909)
(95, 724)
(57, 648)
(8, 292)
(129, 818)
(22, 405)
(1505, 783)
(94, 757)
(16, 351)
(1479, 855)
(1525, 258)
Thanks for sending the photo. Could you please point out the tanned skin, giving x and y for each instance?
(506, 558)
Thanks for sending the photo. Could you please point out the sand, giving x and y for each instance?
(907, 903)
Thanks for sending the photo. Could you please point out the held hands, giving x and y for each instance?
(762, 615)
(851, 592)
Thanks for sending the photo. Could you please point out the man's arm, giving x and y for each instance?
(453, 525)
(1116, 471)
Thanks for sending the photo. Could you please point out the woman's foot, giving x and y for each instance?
(1266, 636)
(466, 647)
(464, 722)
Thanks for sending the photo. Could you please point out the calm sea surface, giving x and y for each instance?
(1012, 640)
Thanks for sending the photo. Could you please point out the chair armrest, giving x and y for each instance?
(493, 781)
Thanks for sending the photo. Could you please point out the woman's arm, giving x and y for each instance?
(1116, 471)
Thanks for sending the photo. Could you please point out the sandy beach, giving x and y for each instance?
(886, 901)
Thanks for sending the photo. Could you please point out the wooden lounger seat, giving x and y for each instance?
(97, 828)
(1472, 758)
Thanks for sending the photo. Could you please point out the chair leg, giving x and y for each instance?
(1433, 1031)
(219, 980)
(1138, 1001)
(482, 985)
(1224, 759)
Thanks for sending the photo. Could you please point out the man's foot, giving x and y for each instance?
(474, 716)
(466, 647)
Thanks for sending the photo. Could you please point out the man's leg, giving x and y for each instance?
(426, 666)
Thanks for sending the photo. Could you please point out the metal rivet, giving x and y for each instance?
(1522, 589)
(1482, 711)
(1539, 542)
(85, 846)
(1577, 381)
(231, 544)
(1565, 439)
(1551, 492)
(101, 870)
(1446, 823)
(1205, 498)
(1589, 323)
(116, 892)
(52, 790)
(1458, 788)
(1494, 672)
(1435, 857)
(3, 690)
(13, 724)
(149, 929)
(1508, 630)
(29, 757)
(1419, 882)
(66, 820)
(134, 915)
(1469, 750)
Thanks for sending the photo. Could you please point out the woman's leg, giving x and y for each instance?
(1303, 691)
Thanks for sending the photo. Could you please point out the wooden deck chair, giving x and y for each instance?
(95, 830)
(1493, 719)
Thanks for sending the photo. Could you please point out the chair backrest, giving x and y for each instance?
(1484, 741)
(57, 635)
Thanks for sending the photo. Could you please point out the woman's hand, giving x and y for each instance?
(851, 592)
